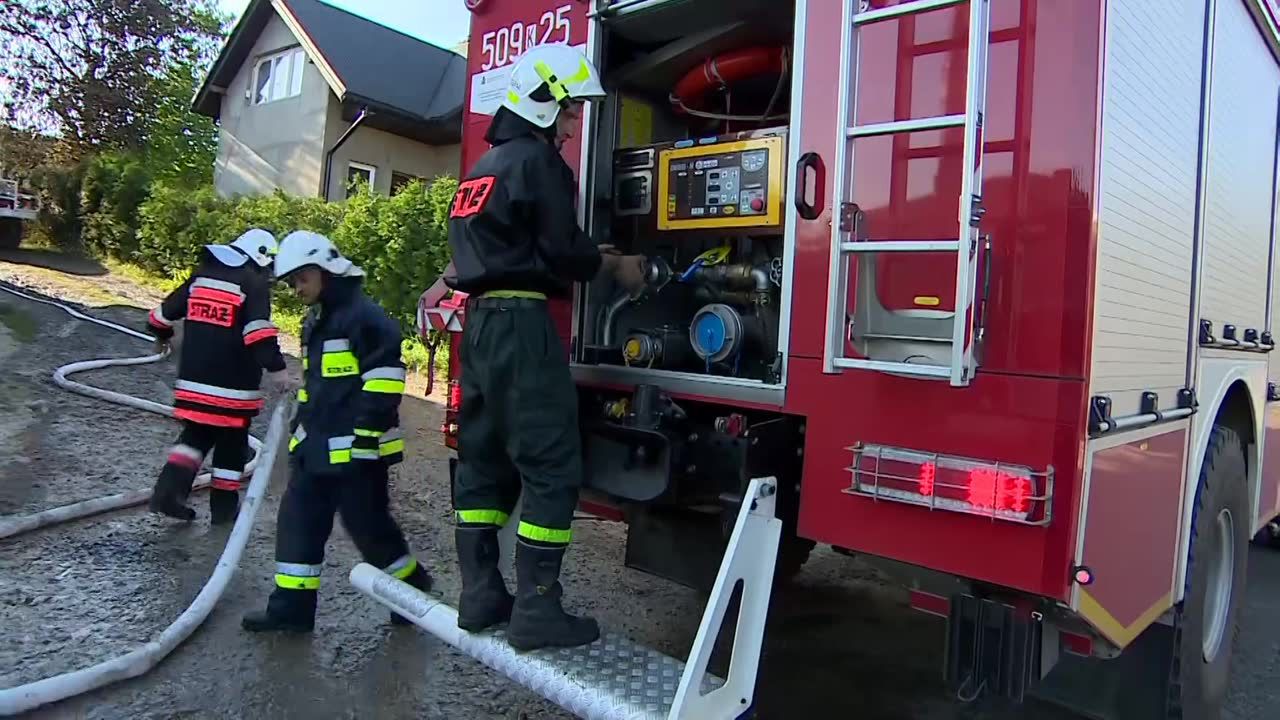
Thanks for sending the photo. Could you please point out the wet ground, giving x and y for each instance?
(840, 643)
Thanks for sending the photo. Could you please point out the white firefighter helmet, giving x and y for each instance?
(301, 248)
(256, 244)
(565, 73)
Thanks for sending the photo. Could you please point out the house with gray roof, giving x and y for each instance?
(308, 97)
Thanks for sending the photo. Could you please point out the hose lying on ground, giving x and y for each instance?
(25, 523)
(59, 687)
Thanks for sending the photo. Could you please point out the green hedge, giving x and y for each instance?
(399, 241)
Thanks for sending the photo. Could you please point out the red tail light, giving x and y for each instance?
(942, 482)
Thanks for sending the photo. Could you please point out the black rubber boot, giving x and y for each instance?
(170, 492)
(537, 619)
(224, 505)
(484, 601)
(287, 611)
(419, 579)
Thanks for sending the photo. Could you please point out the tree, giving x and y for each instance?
(96, 70)
(181, 145)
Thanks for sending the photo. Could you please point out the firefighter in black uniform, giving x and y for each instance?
(345, 435)
(515, 241)
(228, 341)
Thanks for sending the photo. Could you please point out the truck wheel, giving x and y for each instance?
(793, 553)
(10, 233)
(1205, 623)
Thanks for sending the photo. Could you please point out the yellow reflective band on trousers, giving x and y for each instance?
(393, 387)
(293, 582)
(483, 517)
(544, 534)
(362, 432)
(391, 447)
(339, 364)
(298, 576)
(526, 294)
(402, 568)
(302, 395)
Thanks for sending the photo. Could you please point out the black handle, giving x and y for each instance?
(810, 210)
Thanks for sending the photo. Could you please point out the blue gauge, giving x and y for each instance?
(709, 335)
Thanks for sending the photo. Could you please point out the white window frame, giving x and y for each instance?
(295, 63)
(371, 169)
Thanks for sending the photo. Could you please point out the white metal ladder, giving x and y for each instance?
(953, 329)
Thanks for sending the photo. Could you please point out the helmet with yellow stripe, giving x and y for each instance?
(548, 78)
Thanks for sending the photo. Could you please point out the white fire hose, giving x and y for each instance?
(60, 687)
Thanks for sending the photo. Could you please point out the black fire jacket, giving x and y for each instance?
(513, 223)
(349, 405)
(228, 340)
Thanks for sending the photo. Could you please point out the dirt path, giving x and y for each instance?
(840, 644)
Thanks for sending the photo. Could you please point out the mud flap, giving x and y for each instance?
(992, 648)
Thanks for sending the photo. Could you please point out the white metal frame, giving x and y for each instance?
(962, 366)
(294, 86)
(577, 678)
(371, 169)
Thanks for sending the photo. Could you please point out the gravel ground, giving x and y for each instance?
(840, 644)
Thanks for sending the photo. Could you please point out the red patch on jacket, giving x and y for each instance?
(472, 196)
(213, 312)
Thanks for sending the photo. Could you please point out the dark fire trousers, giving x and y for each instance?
(305, 520)
(518, 421)
(230, 448)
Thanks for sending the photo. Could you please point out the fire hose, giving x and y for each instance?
(22, 698)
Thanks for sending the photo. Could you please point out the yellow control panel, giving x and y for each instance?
(733, 184)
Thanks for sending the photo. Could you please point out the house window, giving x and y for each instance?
(359, 171)
(399, 180)
(278, 76)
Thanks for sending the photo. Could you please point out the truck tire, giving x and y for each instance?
(1205, 622)
(10, 233)
(793, 553)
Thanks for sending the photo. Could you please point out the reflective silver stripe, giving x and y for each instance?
(304, 351)
(342, 442)
(221, 474)
(258, 325)
(298, 569)
(157, 314)
(300, 434)
(218, 391)
(384, 373)
(222, 285)
(364, 454)
(187, 451)
(392, 434)
(336, 345)
(404, 562)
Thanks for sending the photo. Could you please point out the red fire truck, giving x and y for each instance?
(986, 285)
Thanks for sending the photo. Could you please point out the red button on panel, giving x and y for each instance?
(757, 204)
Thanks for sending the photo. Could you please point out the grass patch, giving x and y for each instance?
(19, 323)
(136, 274)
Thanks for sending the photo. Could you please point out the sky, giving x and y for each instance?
(440, 22)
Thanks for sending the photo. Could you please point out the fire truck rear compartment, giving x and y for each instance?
(692, 173)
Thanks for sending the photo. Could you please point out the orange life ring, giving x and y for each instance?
(720, 71)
